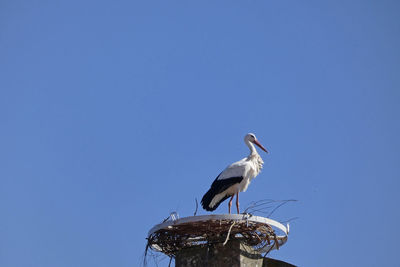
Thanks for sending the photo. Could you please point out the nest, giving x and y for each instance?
(171, 239)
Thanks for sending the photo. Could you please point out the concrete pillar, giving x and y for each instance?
(233, 254)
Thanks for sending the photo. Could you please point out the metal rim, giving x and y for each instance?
(234, 217)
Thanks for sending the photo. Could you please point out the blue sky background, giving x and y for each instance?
(115, 113)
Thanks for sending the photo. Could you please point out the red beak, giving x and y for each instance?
(260, 146)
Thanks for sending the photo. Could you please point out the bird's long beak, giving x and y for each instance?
(260, 146)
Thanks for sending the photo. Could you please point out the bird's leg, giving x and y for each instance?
(237, 202)
(230, 204)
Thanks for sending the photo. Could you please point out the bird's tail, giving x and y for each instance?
(209, 198)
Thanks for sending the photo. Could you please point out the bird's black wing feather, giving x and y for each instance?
(217, 187)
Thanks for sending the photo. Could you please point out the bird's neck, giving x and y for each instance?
(255, 158)
(253, 150)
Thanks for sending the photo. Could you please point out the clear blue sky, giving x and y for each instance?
(115, 113)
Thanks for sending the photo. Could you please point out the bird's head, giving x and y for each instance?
(250, 137)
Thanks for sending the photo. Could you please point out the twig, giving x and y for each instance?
(229, 232)
(289, 220)
(266, 206)
(197, 205)
(145, 255)
(280, 205)
(166, 219)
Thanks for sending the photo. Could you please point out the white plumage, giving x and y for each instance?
(235, 178)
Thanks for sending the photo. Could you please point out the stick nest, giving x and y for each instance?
(202, 233)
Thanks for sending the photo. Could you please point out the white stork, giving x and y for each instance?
(235, 178)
